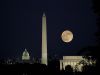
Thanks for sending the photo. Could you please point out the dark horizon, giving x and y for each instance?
(21, 26)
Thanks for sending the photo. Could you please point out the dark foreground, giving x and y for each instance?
(35, 69)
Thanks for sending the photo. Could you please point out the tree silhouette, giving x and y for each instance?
(69, 68)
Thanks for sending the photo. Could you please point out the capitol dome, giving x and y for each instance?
(25, 55)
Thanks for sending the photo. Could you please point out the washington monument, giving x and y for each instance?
(44, 40)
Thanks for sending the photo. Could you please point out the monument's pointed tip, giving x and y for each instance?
(43, 14)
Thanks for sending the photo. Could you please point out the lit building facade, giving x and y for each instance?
(71, 60)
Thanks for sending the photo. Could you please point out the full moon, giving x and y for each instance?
(67, 36)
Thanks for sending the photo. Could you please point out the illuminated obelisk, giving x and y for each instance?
(44, 40)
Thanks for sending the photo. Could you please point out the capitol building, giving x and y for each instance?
(25, 55)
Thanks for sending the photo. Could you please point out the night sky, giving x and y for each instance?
(21, 26)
